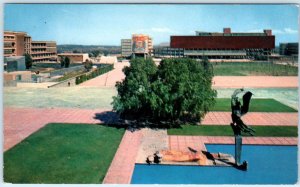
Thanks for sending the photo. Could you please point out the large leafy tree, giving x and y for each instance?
(178, 90)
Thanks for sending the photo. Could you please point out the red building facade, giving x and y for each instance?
(226, 45)
(223, 42)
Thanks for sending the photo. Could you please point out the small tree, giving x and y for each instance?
(88, 64)
(62, 61)
(67, 62)
(28, 61)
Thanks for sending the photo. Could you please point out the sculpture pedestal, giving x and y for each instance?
(238, 149)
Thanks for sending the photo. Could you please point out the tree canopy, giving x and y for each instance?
(65, 62)
(88, 64)
(178, 90)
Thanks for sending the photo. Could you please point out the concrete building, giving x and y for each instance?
(289, 49)
(15, 43)
(139, 45)
(75, 57)
(226, 45)
(43, 51)
(19, 43)
(14, 63)
(126, 48)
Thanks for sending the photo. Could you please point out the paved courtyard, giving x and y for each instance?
(26, 110)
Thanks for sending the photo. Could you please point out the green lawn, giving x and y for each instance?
(256, 105)
(63, 153)
(221, 130)
(253, 68)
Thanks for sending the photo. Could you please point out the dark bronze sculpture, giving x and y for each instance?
(238, 126)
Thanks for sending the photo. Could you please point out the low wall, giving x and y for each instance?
(10, 83)
(65, 83)
(66, 70)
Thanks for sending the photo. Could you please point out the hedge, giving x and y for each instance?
(84, 77)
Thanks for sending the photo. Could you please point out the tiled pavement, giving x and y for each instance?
(122, 166)
(197, 142)
(21, 122)
(253, 118)
(255, 81)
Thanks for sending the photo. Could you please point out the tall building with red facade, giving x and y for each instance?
(138, 45)
(226, 45)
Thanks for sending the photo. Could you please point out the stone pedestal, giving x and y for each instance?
(238, 149)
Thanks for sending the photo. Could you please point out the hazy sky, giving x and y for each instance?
(100, 24)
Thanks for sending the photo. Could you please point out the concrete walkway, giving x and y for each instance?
(152, 141)
(21, 122)
(108, 79)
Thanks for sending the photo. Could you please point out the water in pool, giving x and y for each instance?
(266, 165)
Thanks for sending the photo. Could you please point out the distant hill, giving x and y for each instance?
(104, 49)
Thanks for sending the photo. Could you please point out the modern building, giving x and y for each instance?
(43, 51)
(19, 43)
(15, 43)
(74, 57)
(126, 48)
(139, 45)
(226, 45)
(289, 49)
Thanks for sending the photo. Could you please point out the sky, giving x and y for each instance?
(107, 24)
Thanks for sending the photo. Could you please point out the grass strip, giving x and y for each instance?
(221, 130)
(63, 153)
(253, 68)
(256, 105)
